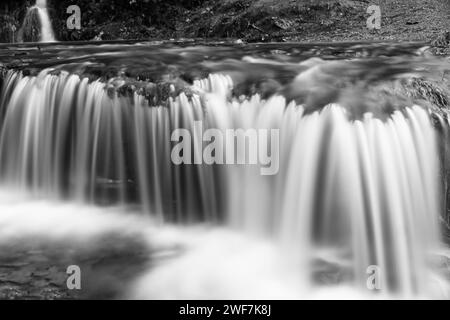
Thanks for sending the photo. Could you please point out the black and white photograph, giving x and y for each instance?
(224, 150)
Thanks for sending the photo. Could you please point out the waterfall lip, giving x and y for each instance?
(128, 87)
(41, 4)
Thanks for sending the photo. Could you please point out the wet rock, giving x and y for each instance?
(36, 269)
(330, 273)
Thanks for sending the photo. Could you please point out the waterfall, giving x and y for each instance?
(47, 34)
(43, 24)
(361, 191)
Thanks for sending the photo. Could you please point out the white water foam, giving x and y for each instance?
(209, 263)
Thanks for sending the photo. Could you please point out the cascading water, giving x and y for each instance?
(349, 193)
(47, 34)
(41, 27)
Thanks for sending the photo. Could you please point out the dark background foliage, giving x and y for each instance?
(126, 19)
(250, 20)
(116, 18)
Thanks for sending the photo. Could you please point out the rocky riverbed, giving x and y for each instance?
(36, 269)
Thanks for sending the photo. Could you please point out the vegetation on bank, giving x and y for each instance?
(249, 20)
